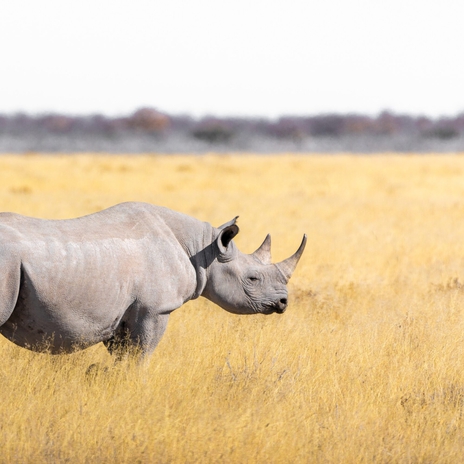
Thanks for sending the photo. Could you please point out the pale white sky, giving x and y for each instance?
(241, 57)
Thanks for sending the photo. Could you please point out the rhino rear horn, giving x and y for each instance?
(263, 253)
(288, 265)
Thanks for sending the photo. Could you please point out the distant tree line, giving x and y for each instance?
(149, 121)
(148, 130)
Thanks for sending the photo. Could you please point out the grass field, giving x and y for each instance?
(366, 365)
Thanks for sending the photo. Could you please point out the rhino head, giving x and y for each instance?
(248, 284)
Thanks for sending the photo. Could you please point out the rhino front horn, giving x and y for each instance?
(288, 265)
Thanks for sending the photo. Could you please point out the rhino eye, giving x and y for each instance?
(253, 279)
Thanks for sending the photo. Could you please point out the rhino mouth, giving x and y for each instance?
(278, 307)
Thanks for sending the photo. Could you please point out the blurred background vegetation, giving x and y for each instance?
(150, 130)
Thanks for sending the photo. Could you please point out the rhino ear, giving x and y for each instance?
(225, 237)
(230, 223)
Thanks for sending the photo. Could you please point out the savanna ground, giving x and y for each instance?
(365, 366)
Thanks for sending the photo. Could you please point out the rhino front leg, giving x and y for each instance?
(139, 337)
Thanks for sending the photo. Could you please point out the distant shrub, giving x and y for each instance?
(328, 125)
(287, 128)
(57, 123)
(443, 133)
(149, 120)
(445, 128)
(387, 123)
(213, 132)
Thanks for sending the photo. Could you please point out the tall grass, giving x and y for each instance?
(365, 366)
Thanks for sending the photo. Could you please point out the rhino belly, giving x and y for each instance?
(62, 322)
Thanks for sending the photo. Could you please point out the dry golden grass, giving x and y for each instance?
(365, 366)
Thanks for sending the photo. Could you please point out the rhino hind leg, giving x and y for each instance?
(138, 338)
(120, 344)
(10, 278)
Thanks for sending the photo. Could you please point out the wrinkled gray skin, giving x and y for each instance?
(116, 275)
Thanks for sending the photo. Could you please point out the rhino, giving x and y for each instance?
(116, 275)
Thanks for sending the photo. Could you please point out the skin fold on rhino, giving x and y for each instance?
(116, 275)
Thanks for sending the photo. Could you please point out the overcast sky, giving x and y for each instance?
(241, 57)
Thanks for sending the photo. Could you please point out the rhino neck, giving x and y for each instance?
(196, 238)
(203, 257)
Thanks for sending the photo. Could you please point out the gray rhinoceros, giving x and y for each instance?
(116, 275)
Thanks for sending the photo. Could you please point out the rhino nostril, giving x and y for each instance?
(283, 301)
